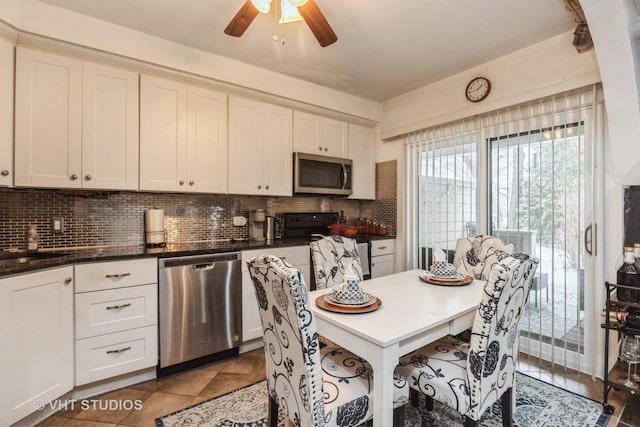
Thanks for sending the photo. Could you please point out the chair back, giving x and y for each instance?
(330, 256)
(292, 353)
(493, 350)
(477, 255)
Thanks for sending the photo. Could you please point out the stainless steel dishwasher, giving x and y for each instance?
(200, 310)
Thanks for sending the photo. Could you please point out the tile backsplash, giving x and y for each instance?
(115, 218)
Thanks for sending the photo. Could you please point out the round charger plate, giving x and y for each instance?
(455, 278)
(347, 309)
(367, 299)
(433, 280)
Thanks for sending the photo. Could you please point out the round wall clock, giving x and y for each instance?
(478, 89)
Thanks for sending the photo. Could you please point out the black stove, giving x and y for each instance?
(308, 224)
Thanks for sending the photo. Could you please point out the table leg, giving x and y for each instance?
(383, 362)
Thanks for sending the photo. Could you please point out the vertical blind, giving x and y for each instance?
(519, 174)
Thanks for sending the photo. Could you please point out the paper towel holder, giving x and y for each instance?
(155, 233)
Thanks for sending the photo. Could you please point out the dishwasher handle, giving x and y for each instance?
(208, 266)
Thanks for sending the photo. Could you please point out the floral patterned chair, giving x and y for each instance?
(470, 377)
(477, 255)
(330, 257)
(311, 386)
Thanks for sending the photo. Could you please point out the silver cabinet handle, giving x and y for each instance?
(4, 173)
(67, 280)
(181, 182)
(87, 178)
(326, 149)
(73, 177)
(118, 307)
(320, 148)
(266, 188)
(259, 187)
(191, 182)
(117, 276)
(382, 247)
(120, 350)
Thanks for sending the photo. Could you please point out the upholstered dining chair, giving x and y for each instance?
(312, 386)
(330, 257)
(477, 255)
(470, 377)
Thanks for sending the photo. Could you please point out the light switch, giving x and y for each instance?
(57, 225)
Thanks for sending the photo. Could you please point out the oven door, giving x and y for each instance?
(365, 259)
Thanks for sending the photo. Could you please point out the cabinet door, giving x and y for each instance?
(335, 138)
(382, 265)
(109, 128)
(245, 146)
(163, 134)
(206, 141)
(36, 329)
(307, 133)
(251, 324)
(363, 154)
(6, 112)
(278, 152)
(48, 121)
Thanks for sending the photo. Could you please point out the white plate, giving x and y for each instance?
(430, 275)
(367, 299)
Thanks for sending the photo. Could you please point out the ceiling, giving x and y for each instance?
(385, 47)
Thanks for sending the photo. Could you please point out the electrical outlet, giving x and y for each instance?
(57, 225)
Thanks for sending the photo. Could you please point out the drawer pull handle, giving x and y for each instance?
(382, 247)
(118, 307)
(120, 350)
(117, 276)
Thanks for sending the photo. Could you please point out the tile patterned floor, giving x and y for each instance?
(165, 395)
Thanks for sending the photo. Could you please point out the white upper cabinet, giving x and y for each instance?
(362, 143)
(110, 128)
(6, 112)
(76, 123)
(260, 148)
(320, 135)
(183, 137)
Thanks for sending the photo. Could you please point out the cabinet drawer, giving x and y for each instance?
(110, 355)
(115, 274)
(383, 247)
(296, 256)
(115, 310)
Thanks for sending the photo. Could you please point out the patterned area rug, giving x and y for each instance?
(537, 404)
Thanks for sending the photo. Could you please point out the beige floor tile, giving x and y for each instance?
(110, 407)
(59, 421)
(249, 363)
(157, 405)
(225, 382)
(189, 383)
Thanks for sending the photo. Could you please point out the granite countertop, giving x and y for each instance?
(52, 258)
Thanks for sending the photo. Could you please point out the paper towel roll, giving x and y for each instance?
(154, 226)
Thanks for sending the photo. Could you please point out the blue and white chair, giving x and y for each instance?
(470, 377)
(330, 256)
(310, 385)
(477, 255)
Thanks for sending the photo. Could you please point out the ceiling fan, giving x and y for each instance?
(308, 9)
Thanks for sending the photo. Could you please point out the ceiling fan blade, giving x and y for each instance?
(242, 20)
(317, 23)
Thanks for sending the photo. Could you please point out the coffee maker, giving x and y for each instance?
(257, 219)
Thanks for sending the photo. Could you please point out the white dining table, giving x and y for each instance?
(412, 314)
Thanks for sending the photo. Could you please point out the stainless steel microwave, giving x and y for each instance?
(313, 174)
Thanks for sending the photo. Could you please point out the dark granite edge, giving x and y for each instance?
(59, 259)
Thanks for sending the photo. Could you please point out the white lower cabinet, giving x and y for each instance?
(298, 256)
(116, 318)
(382, 257)
(36, 330)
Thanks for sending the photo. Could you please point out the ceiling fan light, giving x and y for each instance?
(298, 3)
(262, 5)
